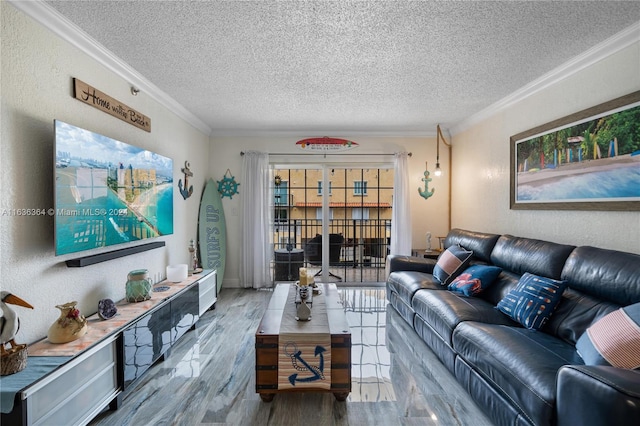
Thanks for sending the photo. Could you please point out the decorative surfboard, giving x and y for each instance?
(326, 144)
(212, 231)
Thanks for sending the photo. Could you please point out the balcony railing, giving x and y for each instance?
(365, 246)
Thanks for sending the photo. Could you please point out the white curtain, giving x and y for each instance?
(255, 199)
(401, 213)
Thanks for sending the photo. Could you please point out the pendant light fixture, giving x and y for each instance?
(438, 171)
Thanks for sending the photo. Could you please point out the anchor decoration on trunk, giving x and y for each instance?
(187, 174)
(317, 372)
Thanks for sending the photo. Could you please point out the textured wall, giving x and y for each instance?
(37, 71)
(481, 162)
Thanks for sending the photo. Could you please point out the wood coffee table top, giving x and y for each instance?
(275, 320)
(272, 319)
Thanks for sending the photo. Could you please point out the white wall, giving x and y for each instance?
(427, 215)
(37, 71)
(481, 162)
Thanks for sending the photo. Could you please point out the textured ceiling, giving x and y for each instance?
(319, 67)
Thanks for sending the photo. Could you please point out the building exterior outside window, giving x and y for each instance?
(360, 187)
(320, 187)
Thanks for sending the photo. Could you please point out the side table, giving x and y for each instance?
(427, 254)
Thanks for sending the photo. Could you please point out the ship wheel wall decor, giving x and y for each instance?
(228, 187)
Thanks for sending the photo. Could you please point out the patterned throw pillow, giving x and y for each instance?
(613, 340)
(450, 263)
(474, 279)
(533, 300)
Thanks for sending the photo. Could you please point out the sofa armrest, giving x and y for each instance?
(409, 263)
(597, 395)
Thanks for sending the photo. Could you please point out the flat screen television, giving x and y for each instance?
(108, 192)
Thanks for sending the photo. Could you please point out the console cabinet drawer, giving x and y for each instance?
(77, 391)
(208, 292)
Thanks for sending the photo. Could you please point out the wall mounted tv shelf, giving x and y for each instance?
(71, 383)
(102, 257)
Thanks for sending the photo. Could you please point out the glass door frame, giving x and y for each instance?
(327, 167)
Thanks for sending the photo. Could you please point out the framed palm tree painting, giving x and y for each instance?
(589, 160)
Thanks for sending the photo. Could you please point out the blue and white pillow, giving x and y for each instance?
(613, 340)
(451, 263)
(474, 279)
(533, 300)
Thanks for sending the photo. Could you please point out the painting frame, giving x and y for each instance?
(589, 116)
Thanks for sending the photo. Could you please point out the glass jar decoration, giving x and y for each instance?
(69, 326)
(138, 288)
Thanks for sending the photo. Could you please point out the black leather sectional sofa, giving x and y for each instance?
(517, 375)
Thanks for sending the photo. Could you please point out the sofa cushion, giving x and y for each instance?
(522, 363)
(406, 283)
(520, 255)
(444, 310)
(606, 274)
(398, 262)
(480, 243)
(575, 313)
(451, 263)
(505, 282)
(474, 279)
(533, 300)
(613, 340)
(403, 309)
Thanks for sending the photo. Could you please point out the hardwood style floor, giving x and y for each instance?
(208, 378)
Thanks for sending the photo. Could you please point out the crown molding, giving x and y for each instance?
(322, 133)
(51, 19)
(614, 44)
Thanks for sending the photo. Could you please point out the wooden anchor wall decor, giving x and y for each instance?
(186, 193)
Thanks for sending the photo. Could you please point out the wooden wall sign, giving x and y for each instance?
(97, 99)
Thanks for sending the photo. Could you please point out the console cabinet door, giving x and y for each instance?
(184, 312)
(145, 341)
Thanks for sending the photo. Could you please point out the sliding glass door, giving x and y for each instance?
(333, 219)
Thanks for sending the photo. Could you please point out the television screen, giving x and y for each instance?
(108, 192)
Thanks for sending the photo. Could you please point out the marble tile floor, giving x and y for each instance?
(209, 376)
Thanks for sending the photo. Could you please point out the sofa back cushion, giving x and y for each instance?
(575, 313)
(520, 255)
(605, 274)
(505, 282)
(480, 243)
(600, 281)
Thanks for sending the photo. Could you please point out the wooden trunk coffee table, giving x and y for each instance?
(269, 342)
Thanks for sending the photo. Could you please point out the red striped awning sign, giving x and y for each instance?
(326, 144)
